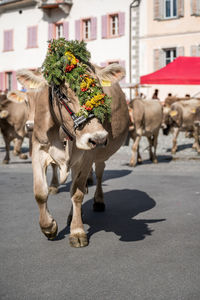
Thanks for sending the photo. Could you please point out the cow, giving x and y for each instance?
(13, 114)
(171, 99)
(57, 140)
(146, 119)
(181, 117)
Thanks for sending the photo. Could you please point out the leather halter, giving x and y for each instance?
(60, 101)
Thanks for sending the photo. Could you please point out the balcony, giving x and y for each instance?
(65, 5)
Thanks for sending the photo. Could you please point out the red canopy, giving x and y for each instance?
(183, 70)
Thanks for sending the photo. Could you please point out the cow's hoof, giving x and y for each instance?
(5, 162)
(78, 240)
(155, 161)
(51, 231)
(139, 161)
(173, 152)
(53, 190)
(99, 206)
(23, 156)
(131, 164)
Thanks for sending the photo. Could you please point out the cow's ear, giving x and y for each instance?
(111, 74)
(4, 114)
(173, 113)
(30, 79)
(16, 96)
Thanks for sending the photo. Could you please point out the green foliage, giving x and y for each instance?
(67, 61)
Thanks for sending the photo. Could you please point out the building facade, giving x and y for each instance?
(141, 35)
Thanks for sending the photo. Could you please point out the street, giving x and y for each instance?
(145, 246)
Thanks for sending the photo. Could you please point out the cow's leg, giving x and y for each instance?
(80, 172)
(155, 143)
(139, 157)
(150, 139)
(40, 162)
(7, 147)
(196, 139)
(53, 188)
(133, 160)
(174, 141)
(98, 196)
(17, 148)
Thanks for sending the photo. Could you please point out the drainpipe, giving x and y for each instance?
(134, 3)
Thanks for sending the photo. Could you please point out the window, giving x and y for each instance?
(87, 29)
(8, 80)
(114, 25)
(8, 40)
(170, 8)
(32, 37)
(59, 30)
(169, 55)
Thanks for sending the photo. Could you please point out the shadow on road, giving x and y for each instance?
(122, 206)
(181, 147)
(108, 174)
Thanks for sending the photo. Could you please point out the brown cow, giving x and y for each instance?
(146, 119)
(180, 117)
(13, 115)
(92, 142)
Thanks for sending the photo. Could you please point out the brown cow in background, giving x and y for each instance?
(13, 116)
(181, 116)
(146, 118)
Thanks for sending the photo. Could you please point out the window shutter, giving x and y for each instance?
(158, 59)
(93, 28)
(8, 39)
(121, 23)
(14, 81)
(195, 7)
(104, 21)
(194, 50)
(180, 51)
(32, 37)
(51, 31)
(2, 84)
(158, 10)
(66, 30)
(180, 8)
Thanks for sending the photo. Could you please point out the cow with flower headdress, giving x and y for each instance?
(80, 118)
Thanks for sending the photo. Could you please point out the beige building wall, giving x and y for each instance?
(181, 33)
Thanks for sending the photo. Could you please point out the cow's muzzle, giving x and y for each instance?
(29, 126)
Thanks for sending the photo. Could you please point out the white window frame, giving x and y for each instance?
(9, 80)
(87, 29)
(171, 9)
(171, 57)
(114, 25)
(59, 30)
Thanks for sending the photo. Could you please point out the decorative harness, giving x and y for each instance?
(60, 101)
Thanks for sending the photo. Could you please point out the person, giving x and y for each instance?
(155, 94)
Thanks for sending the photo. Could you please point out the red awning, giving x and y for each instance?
(183, 70)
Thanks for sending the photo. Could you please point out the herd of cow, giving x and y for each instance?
(40, 114)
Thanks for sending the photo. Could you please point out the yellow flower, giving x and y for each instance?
(71, 58)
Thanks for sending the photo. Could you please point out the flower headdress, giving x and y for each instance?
(68, 61)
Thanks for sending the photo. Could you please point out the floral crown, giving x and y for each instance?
(68, 61)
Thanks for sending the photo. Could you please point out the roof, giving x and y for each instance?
(183, 70)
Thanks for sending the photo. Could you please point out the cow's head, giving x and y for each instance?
(196, 113)
(91, 133)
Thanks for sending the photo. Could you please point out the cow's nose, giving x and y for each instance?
(29, 126)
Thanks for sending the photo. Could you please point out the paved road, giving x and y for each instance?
(145, 246)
